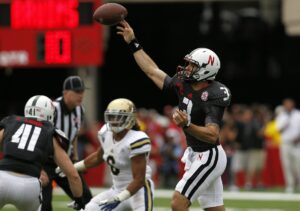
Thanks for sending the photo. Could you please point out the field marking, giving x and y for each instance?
(63, 204)
(257, 196)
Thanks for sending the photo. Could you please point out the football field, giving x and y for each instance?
(234, 201)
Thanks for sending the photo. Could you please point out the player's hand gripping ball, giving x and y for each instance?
(110, 14)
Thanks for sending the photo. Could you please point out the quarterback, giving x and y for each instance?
(201, 104)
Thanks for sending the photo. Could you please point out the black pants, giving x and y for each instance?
(63, 183)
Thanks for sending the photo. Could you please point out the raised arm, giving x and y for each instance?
(144, 61)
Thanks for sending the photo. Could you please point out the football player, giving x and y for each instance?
(201, 105)
(126, 150)
(26, 143)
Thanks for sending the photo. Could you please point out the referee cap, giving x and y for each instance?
(74, 83)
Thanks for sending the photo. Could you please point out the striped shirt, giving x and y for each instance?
(68, 121)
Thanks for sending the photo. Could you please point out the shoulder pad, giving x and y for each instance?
(101, 133)
(218, 94)
(4, 121)
(103, 129)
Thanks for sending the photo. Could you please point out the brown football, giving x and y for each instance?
(110, 13)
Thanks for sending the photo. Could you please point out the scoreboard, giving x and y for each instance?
(37, 33)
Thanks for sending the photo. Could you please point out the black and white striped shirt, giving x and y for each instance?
(68, 121)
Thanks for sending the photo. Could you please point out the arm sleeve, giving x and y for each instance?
(214, 114)
(4, 122)
(62, 139)
(140, 146)
(168, 85)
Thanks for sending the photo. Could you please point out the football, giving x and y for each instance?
(110, 13)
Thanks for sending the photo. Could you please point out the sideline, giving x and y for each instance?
(258, 196)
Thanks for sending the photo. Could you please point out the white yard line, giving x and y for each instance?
(259, 196)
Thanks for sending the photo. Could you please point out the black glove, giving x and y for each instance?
(78, 203)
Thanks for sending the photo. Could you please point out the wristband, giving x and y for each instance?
(125, 194)
(80, 166)
(134, 45)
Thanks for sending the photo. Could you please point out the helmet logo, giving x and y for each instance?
(204, 96)
(211, 60)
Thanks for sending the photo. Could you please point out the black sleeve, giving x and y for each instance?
(168, 85)
(214, 114)
(63, 141)
(3, 122)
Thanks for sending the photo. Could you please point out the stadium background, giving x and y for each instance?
(259, 54)
(257, 41)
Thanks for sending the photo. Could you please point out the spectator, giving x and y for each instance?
(170, 152)
(288, 123)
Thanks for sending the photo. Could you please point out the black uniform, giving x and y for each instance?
(204, 106)
(204, 162)
(27, 144)
(70, 123)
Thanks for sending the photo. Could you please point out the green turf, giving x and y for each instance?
(59, 203)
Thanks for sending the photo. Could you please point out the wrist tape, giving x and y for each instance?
(125, 194)
(80, 166)
(134, 45)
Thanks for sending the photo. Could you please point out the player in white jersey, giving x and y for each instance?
(126, 150)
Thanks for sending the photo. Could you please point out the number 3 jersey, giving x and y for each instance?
(118, 154)
(203, 106)
(26, 144)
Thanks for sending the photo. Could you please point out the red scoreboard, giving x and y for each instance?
(36, 33)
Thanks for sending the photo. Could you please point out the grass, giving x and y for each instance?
(162, 203)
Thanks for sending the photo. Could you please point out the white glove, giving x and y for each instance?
(110, 204)
(79, 166)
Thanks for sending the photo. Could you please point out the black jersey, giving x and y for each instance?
(204, 106)
(27, 143)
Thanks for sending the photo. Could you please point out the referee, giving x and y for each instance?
(69, 118)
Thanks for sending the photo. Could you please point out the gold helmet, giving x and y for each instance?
(120, 114)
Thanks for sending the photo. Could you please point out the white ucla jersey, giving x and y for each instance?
(118, 154)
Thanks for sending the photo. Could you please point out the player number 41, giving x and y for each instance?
(22, 135)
